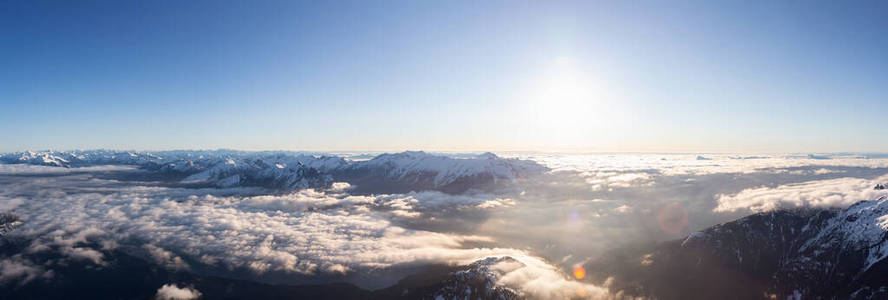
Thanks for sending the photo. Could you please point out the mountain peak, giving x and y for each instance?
(826, 252)
(479, 280)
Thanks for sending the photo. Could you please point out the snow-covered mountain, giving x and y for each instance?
(417, 170)
(261, 172)
(71, 159)
(828, 254)
(405, 171)
(447, 170)
(48, 158)
(479, 281)
(8, 222)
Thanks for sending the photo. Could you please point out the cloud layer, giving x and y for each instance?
(290, 233)
(840, 192)
(583, 207)
(305, 233)
(688, 164)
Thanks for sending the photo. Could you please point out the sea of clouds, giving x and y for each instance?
(586, 205)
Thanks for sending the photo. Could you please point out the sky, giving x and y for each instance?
(648, 76)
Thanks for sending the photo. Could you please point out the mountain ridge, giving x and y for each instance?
(389, 172)
(782, 254)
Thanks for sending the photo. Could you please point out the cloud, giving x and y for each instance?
(166, 258)
(16, 268)
(687, 164)
(494, 203)
(307, 232)
(539, 280)
(20, 169)
(82, 253)
(623, 209)
(607, 179)
(174, 292)
(434, 199)
(299, 201)
(340, 187)
(304, 233)
(839, 192)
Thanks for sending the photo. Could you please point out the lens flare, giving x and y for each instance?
(579, 272)
(573, 217)
(673, 218)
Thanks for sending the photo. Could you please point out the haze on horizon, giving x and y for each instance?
(451, 75)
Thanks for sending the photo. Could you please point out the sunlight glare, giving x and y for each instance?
(567, 105)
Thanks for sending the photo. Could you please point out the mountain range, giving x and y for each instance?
(398, 172)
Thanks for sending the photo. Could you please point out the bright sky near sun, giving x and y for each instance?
(745, 76)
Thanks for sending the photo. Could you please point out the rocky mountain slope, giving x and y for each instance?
(807, 254)
(479, 281)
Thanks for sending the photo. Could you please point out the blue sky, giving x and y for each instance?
(793, 76)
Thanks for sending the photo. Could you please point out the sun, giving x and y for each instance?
(566, 100)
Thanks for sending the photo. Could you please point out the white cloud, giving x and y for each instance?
(20, 269)
(174, 292)
(434, 199)
(35, 169)
(623, 209)
(495, 203)
(822, 171)
(340, 187)
(537, 279)
(166, 258)
(608, 179)
(298, 201)
(82, 253)
(306, 232)
(839, 192)
(687, 164)
(301, 233)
